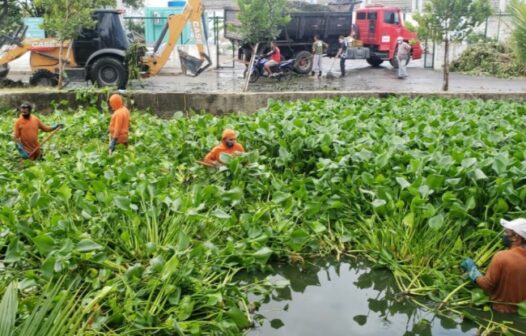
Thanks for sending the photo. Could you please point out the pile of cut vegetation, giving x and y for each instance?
(489, 58)
(302, 6)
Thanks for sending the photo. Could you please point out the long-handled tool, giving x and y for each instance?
(43, 142)
(206, 163)
(330, 75)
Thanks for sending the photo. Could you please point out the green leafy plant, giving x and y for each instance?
(518, 13)
(146, 239)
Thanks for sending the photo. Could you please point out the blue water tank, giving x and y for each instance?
(176, 3)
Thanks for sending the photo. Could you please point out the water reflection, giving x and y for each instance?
(346, 299)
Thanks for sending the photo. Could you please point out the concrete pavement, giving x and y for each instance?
(360, 77)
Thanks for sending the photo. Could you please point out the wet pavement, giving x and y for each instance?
(360, 77)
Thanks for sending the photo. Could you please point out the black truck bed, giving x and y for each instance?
(301, 29)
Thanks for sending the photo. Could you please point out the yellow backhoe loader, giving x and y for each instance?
(100, 54)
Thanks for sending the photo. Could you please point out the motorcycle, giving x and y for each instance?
(283, 69)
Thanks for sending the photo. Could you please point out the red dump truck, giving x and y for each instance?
(374, 32)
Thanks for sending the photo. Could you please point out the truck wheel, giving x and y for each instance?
(303, 64)
(374, 61)
(43, 77)
(394, 62)
(109, 71)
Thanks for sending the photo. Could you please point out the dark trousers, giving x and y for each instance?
(342, 66)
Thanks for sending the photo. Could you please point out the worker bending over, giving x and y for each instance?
(25, 133)
(505, 280)
(228, 145)
(120, 122)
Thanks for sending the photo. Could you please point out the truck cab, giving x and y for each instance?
(378, 27)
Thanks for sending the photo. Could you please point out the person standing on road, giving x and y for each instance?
(505, 280)
(275, 57)
(119, 124)
(25, 132)
(228, 145)
(342, 54)
(317, 50)
(245, 55)
(402, 55)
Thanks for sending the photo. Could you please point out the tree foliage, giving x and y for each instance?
(261, 20)
(9, 16)
(518, 13)
(64, 18)
(451, 20)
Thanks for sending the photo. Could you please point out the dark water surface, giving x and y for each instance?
(347, 298)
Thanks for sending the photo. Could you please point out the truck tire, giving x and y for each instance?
(303, 64)
(109, 71)
(375, 61)
(43, 77)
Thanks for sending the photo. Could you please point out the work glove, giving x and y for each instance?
(23, 153)
(113, 143)
(54, 127)
(468, 265)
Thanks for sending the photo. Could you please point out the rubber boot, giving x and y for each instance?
(319, 74)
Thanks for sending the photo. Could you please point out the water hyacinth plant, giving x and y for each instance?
(148, 242)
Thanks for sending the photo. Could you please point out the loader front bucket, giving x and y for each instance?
(4, 70)
(193, 64)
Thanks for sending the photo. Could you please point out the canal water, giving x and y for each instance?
(331, 299)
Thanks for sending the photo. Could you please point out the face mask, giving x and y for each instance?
(26, 115)
(229, 143)
(506, 240)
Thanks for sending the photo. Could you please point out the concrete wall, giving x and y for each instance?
(166, 104)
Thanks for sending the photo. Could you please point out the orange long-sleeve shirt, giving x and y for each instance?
(505, 280)
(120, 120)
(215, 153)
(26, 130)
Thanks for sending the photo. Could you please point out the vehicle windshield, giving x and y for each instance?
(391, 17)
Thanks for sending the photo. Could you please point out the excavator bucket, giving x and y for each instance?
(193, 64)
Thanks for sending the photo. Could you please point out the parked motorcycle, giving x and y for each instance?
(283, 69)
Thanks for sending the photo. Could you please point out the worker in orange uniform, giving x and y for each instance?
(228, 145)
(120, 122)
(505, 280)
(25, 133)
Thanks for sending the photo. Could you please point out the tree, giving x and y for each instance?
(518, 14)
(9, 16)
(64, 19)
(261, 21)
(451, 21)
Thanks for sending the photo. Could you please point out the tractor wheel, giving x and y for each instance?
(43, 77)
(374, 61)
(4, 70)
(303, 64)
(109, 71)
